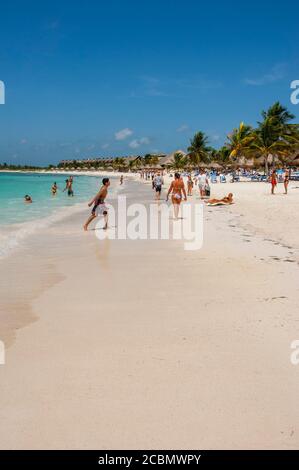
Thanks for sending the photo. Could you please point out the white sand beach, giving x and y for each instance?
(121, 344)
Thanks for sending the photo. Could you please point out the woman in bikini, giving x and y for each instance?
(225, 200)
(177, 190)
(190, 185)
(286, 181)
(54, 189)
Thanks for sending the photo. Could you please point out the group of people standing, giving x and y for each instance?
(68, 187)
(54, 188)
(177, 190)
(203, 184)
(274, 181)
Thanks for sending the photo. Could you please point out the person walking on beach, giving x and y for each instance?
(54, 189)
(177, 190)
(157, 185)
(286, 181)
(98, 203)
(190, 185)
(202, 182)
(273, 181)
(121, 180)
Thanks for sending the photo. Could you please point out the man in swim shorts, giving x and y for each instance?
(157, 184)
(273, 181)
(69, 186)
(98, 202)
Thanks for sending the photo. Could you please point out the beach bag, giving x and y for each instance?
(208, 191)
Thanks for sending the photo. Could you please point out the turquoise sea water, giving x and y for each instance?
(19, 220)
(14, 186)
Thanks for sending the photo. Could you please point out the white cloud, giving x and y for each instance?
(123, 134)
(23, 141)
(134, 144)
(182, 128)
(276, 73)
(105, 146)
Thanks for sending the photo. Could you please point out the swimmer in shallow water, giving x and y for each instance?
(54, 189)
(28, 199)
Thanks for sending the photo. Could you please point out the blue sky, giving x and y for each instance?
(130, 77)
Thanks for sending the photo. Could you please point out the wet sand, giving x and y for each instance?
(140, 344)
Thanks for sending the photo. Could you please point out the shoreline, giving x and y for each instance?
(13, 233)
(144, 345)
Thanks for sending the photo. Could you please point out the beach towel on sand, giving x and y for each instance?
(219, 204)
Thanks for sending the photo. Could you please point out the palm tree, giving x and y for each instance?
(154, 160)
(266, 142)
(199, 149)
(147, 159)
(118, 163)
(239, 141)
(179, 161)
(276, 134)
(223, 155)
(132, 164)
(280, 115)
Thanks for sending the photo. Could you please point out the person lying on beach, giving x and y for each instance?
(27, 199)
(225, 200)
(177, 188)
(98, 203)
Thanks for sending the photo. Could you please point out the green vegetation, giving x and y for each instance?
(273, 142)
(10, 167)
